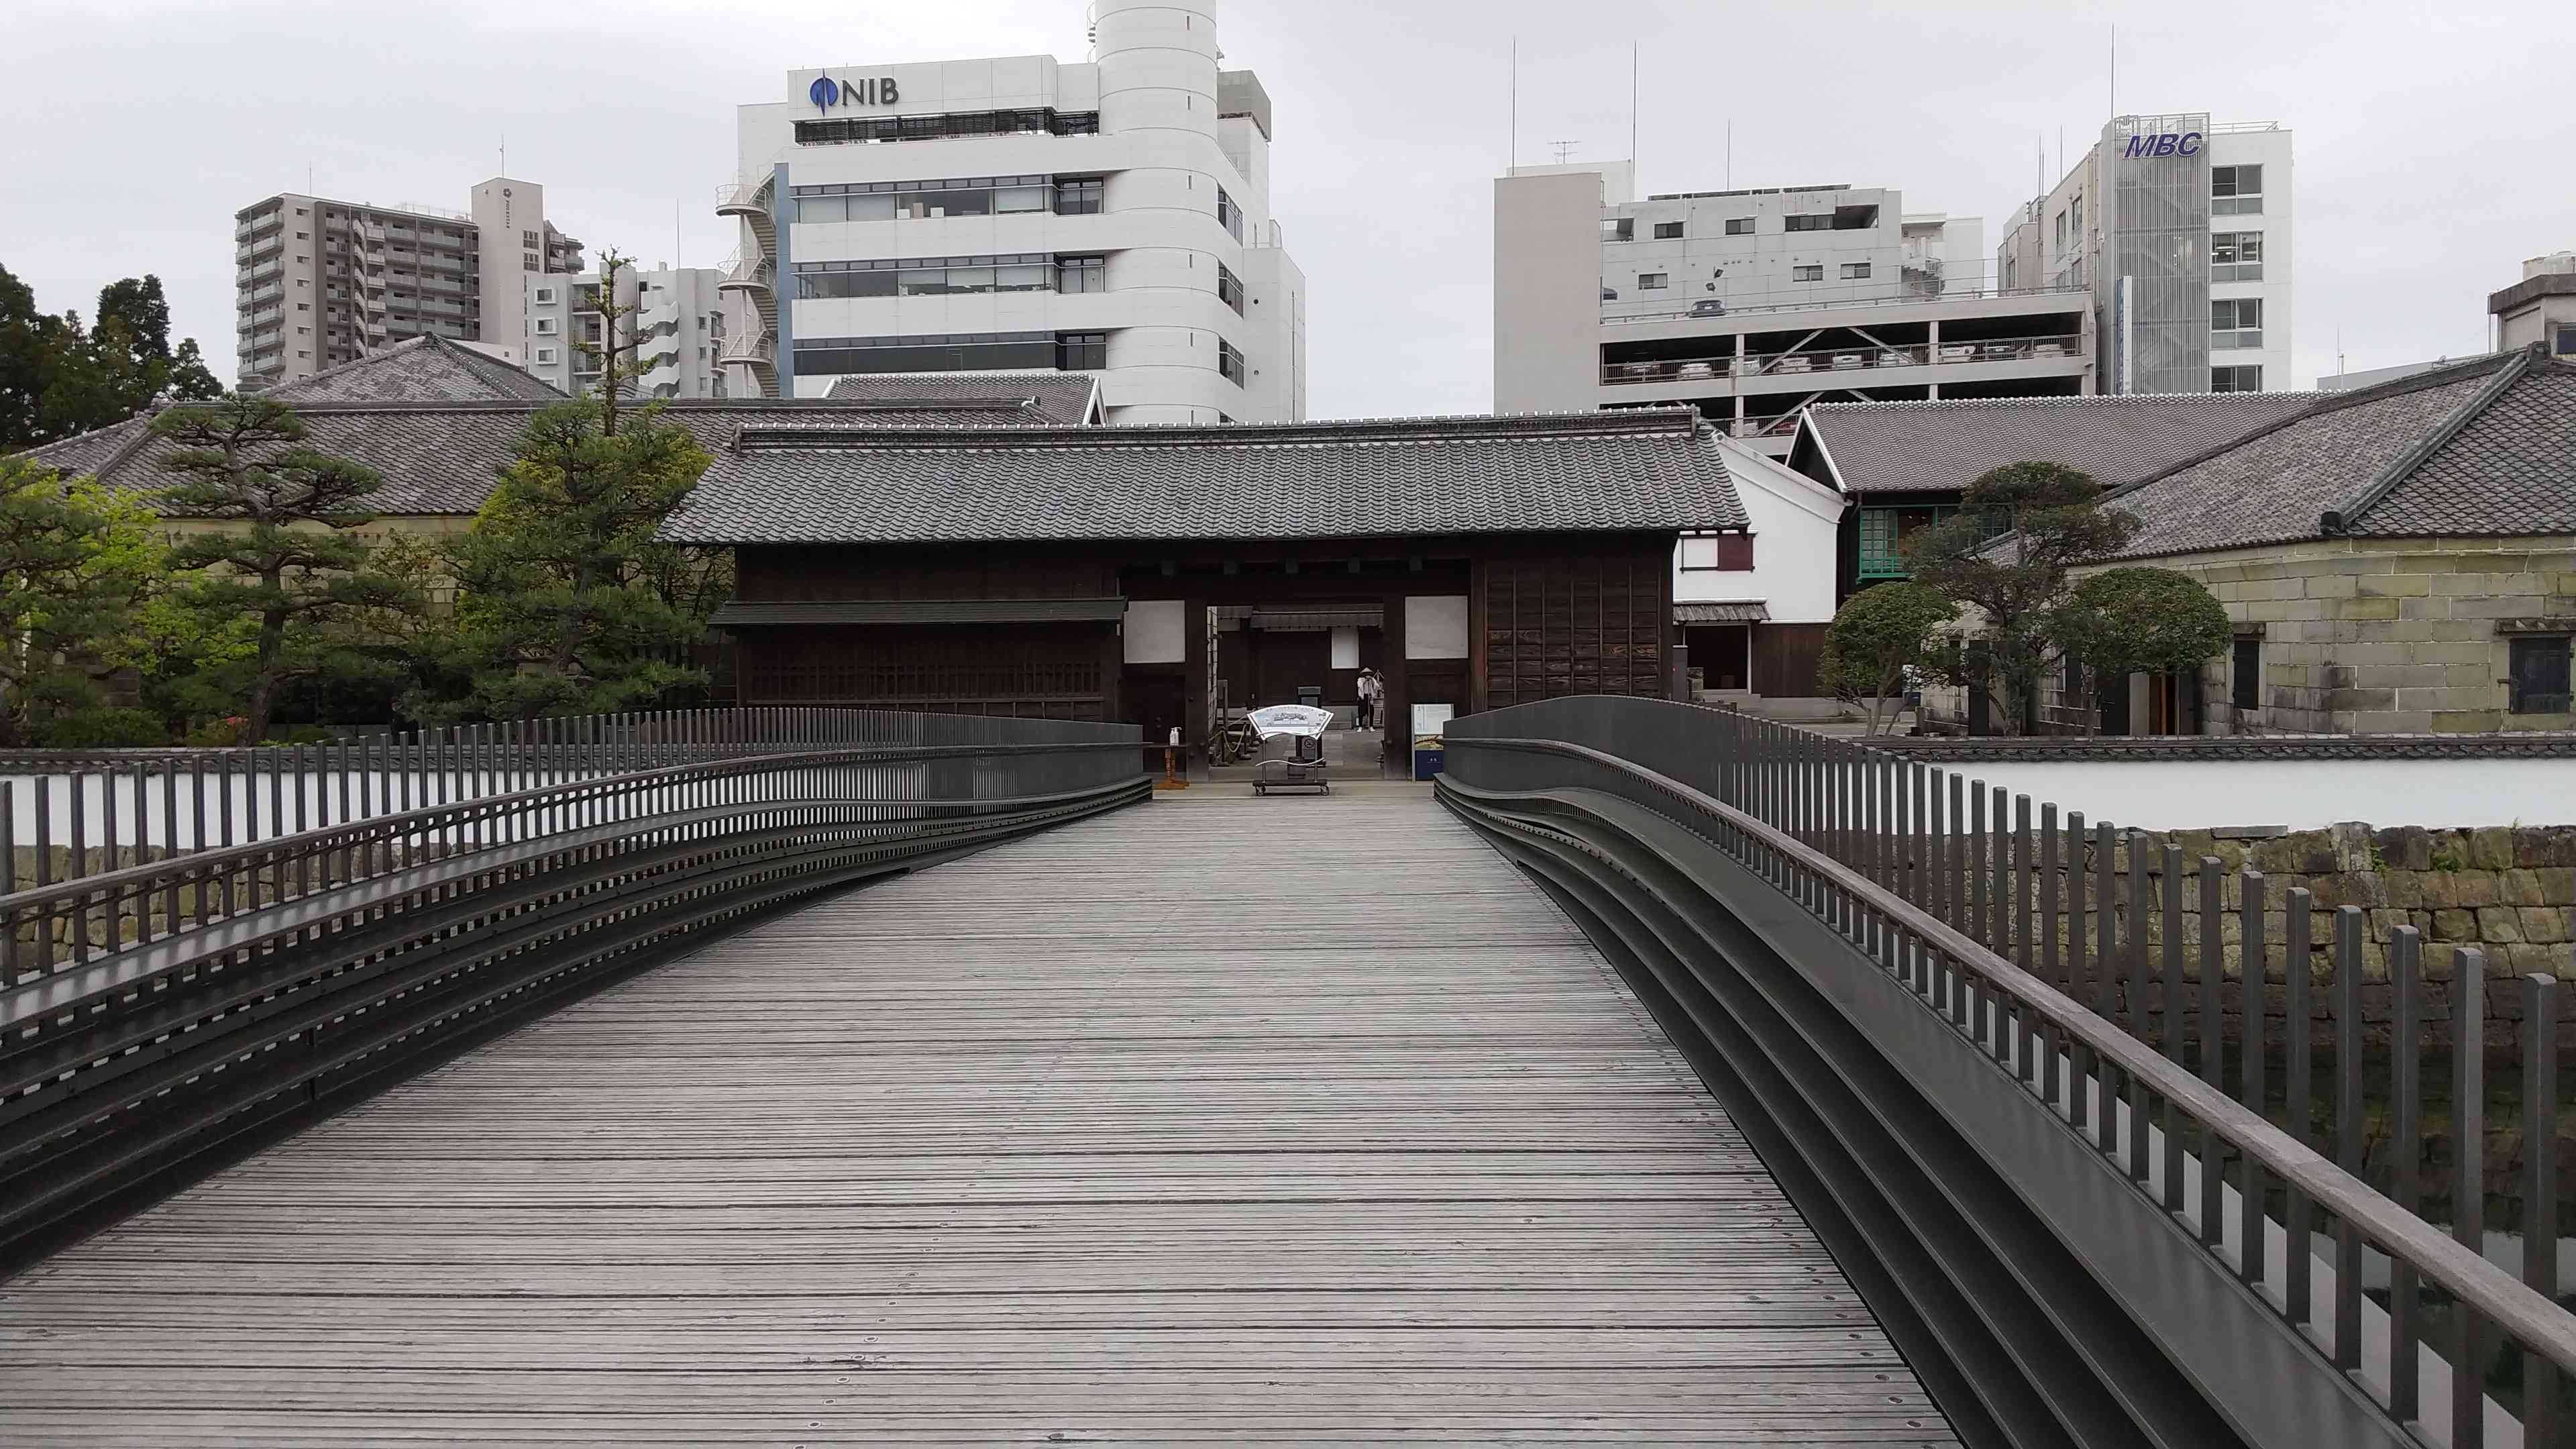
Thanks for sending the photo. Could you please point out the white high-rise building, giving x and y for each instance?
(2180, 231)
(1109, 217)
(1750, 304)
(671, 333)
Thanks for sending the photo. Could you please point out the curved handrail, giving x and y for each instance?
(2532, 1319)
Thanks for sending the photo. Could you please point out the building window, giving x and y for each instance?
(2567, 341)
(1229, 362)
(1807, 221)
(1718, 553)
(2245, 679)
(2236, 379)
(2235, 190)
(1739, 226)
(1667, 230)
(1229, 215)
(2236, 322)
(545, 296)
(527, 239)
(1229, 288)
(1618, 228)
(2061, 231)
(925, 276)
(867, 130)
(1652, 281)
(1082, 274)
(2538, 667)
(1078, 195)
(1081, 351)
(545, 354)
(2236, 256)
(528, 262)
(1855, 271)
(545, 327)
(1815, 273)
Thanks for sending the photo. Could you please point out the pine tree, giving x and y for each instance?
(75, 566)
(567, 605)
(285, 563)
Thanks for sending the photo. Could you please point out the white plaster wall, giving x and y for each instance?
(1157, 632)
(1435, 626)
(1547, 300)
(1795, 522)
(2277, 356)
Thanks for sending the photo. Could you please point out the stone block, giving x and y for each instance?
(2396, 585)
(2491, 848)
(2368, 607)
(2455, 926)
(2384, 721)
(2500, 924)
(2542, 925)
(2361, 699)
(2547, 845)
(2519, 888)
(2557, 884)
(2331, 586)
(2467, 721)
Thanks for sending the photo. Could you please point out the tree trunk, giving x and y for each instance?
(263, 689)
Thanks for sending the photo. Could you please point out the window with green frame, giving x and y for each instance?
(1882, 530)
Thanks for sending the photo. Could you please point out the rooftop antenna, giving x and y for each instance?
(1632, 115)
(1515, 157)
(1563, 149)
(2115, 71)
(1730, 153)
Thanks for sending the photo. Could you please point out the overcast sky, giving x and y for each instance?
(2435, 148)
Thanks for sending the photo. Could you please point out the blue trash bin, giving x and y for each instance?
(1427, 762)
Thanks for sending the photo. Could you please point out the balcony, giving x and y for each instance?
(1810, 362)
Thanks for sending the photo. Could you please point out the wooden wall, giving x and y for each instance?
(1590, 619)
(1784, 660)
(783, 574)
(1040, 671)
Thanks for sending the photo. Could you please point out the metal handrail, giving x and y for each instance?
(1893, 299)
(2505, 1301)
(1857, 837)
(554, 855)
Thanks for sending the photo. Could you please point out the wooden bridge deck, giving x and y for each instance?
(1151, 1130)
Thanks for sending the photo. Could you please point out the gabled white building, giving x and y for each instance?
(1752, 608)
(1109, 217)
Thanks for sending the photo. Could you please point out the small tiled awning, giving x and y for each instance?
(740, 614)
(1753, 613)
(1317, 619)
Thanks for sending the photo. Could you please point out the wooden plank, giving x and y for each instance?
(1219, 1120)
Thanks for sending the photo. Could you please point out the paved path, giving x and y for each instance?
(1215, 1121)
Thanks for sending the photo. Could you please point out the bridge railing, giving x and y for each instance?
(199, 962)
(1952, 914)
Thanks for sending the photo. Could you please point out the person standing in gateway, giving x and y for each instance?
(1370, 692)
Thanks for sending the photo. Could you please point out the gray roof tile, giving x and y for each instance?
(428, 368)
(973, 399)
(1637, 469)
(2483, 447)
(1943, 446)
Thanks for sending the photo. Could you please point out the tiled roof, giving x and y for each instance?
(1943, 446)
(439, 457)
(1646, 469)
(427, 368)
(2483, 447)
(973, 399)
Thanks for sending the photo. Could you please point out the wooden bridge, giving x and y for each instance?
(1215, 1120)
(822, 1079)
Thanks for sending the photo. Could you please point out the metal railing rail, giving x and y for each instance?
(1889, 298)
(165, 996)
(1980, 921)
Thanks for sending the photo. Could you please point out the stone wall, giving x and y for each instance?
(2510, 891)
(2377, 636)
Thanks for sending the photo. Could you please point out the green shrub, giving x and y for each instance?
(104, 729)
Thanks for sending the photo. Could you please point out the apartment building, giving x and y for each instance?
(2179, 230)
(671, 331)
(1750, 304)
(319, 282)
(1109, 217)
